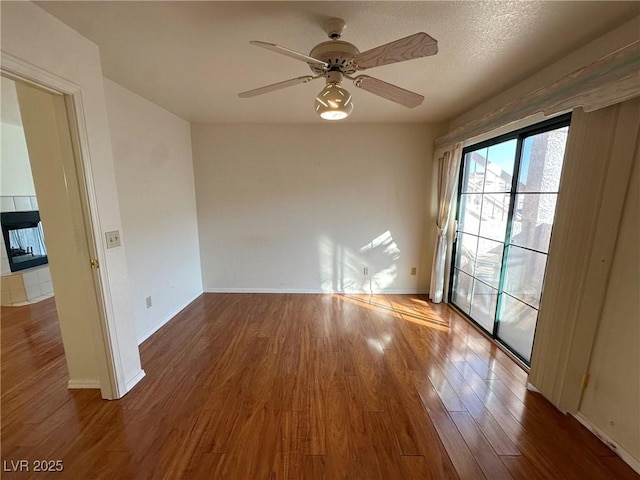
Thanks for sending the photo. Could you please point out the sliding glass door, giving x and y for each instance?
(506, 205)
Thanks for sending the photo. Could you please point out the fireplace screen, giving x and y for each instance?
(24, 239)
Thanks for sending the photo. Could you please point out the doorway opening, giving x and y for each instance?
(50, 155)
(23, 254)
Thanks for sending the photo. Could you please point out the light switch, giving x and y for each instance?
(113, 238)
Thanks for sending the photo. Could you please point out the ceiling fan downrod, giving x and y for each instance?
(334, 28)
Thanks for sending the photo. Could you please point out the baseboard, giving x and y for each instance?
(132, 382)
(263, 290)
(82, 384)
(314, 291)
(166, 319)
(621, 452)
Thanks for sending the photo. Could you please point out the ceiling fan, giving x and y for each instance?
(336, 59)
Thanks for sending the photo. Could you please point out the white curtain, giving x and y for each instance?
(448, 170)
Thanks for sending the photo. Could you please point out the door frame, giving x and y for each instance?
(110, 371)
(519, 135)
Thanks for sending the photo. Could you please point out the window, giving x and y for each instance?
(506, 206)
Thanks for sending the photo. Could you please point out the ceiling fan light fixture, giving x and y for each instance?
(333, 102)
(336, 59)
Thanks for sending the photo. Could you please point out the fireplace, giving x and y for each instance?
(23, 239)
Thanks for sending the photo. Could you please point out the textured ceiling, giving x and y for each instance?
(192, 58)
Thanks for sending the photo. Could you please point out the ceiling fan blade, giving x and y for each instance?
(289, 53)
(276, 86)
(414, 46)
(386, 90)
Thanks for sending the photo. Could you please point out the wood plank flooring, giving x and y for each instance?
(253, 386)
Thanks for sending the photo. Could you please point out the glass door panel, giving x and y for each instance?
(493, 219)
(483, 304)
(517, 325)
(473, 180)
(503, 230)
(461, 295)
(524, 274)
(470, 206)
(533, 219)
(499, 169)
(489, 261)
(466, 253)
(541, 164)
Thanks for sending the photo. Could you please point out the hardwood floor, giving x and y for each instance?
(251, 386)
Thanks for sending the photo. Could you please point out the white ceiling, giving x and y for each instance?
(192, 58)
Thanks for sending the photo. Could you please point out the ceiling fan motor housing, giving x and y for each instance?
(337, 53)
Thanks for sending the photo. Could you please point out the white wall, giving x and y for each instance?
(154, 174)
(611, 402)
(15, 170)
(38, 46)
(305, 208)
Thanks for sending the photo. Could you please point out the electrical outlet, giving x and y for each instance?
(113, 238)
(148, 300)
(414, 270)
(365, 270)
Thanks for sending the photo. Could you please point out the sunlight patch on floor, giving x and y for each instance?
(396, 310)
